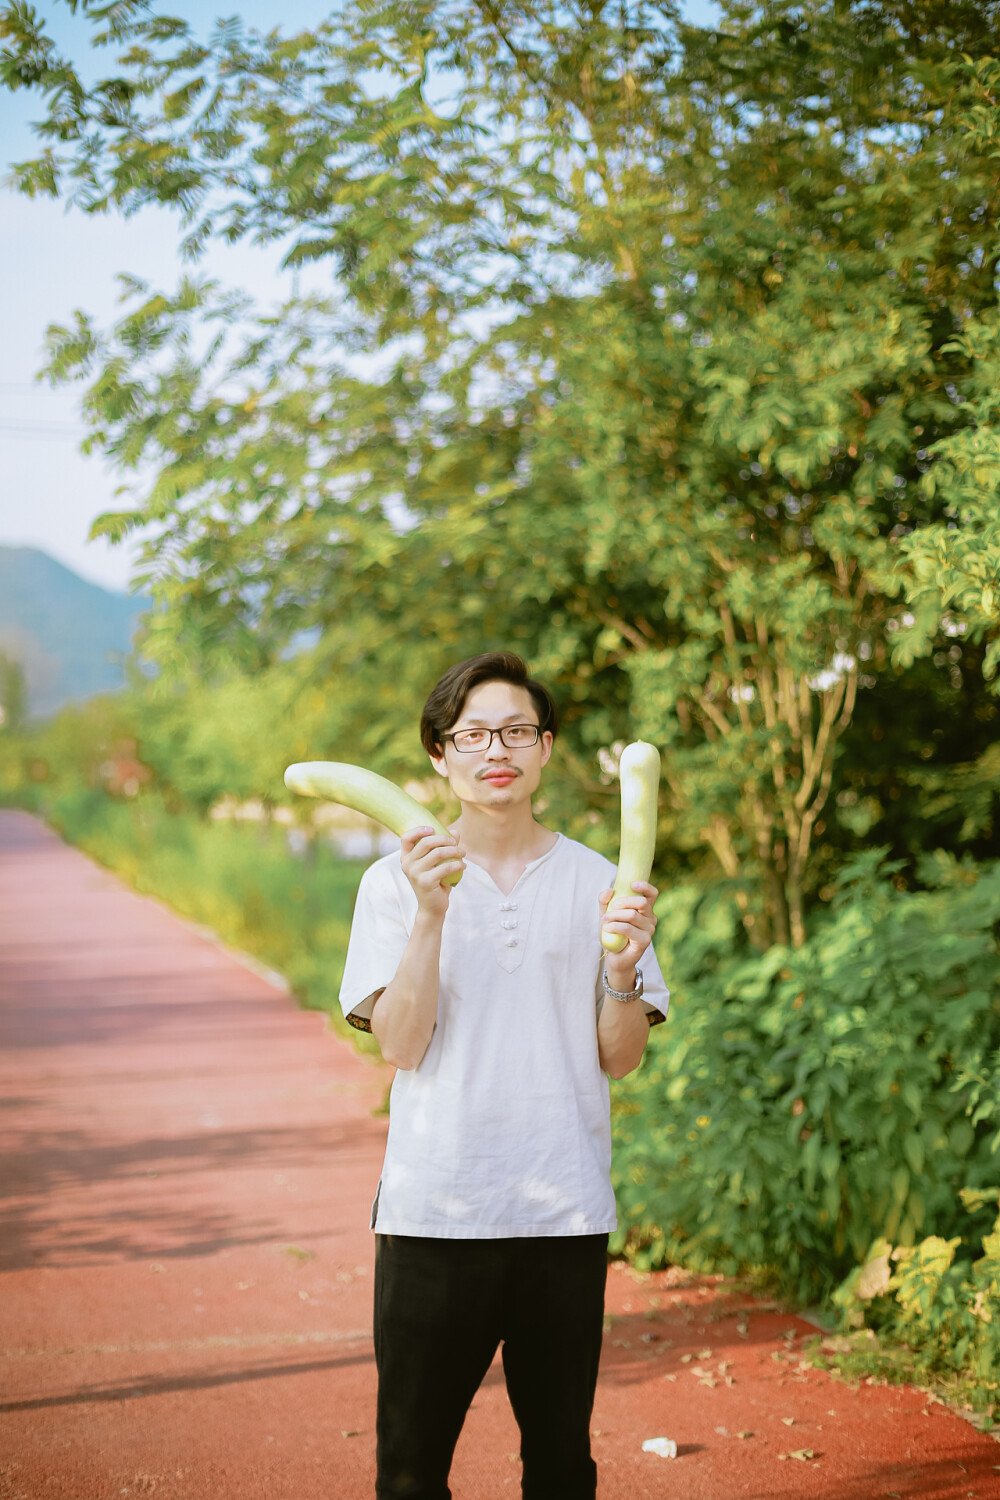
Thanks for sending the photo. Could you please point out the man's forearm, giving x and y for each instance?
(623, 1029)
(405, 1013)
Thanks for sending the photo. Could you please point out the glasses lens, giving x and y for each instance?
(519, 736)
(471, 739)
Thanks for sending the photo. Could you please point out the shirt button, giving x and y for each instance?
(508, 925)
(512, 942)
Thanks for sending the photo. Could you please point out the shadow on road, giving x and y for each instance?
(136, 1389)
(130, 1191)
(127, 1011)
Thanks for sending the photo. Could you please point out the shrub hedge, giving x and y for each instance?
(801, 1103)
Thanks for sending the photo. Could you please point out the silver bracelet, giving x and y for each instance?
(625, 996)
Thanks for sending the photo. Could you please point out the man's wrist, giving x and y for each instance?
(428, 919)
(623, 991)
(620, 976)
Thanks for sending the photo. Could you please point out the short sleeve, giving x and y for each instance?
(379, 935)
(655, 995)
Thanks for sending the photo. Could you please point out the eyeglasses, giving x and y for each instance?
(514, 736)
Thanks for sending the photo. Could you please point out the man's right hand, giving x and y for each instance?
(428, 858)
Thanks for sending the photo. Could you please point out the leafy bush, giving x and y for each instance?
(801, 1103)
(940, 1307)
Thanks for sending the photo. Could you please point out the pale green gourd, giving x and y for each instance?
(639, 772)
(353, 786)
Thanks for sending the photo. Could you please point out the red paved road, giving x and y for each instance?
(185, 1267)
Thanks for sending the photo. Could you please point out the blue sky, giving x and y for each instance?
(52, 262)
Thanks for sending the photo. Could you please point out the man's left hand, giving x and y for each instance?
(633, 918)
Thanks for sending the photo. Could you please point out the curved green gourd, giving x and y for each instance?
(639, 770)
(353, 786)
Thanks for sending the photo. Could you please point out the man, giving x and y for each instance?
(503, 1016)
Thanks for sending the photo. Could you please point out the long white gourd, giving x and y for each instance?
(353, 786)
(639, 771)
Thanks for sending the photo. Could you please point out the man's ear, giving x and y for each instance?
(546, 745)
(437, 761)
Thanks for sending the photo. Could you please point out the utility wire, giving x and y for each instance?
(11, 387)
(55, 431)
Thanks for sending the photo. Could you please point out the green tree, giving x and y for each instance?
(654, 350)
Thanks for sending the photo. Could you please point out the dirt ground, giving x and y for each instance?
(185, 1262)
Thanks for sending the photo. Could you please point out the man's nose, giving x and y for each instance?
(497, 749)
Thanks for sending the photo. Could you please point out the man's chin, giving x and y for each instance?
(500, 795)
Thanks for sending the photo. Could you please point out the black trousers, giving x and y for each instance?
(441, 1309)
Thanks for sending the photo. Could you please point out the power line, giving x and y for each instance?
(54, 431)
(11, 387)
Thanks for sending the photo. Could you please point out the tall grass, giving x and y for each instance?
(291, 912)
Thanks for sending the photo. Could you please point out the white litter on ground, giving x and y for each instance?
(665, 1447)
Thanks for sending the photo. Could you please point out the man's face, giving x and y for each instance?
(496, 777)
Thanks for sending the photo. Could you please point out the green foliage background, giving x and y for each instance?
(807, 1096)
(669, 356)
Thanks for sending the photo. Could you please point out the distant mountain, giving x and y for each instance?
(69, 636)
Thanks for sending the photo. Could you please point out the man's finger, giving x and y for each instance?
(433, 843)
(412, 836)
(436, 852)
(630, 921)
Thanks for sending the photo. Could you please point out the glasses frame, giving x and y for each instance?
(484, 749)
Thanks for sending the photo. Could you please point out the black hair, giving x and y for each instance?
(448, 695)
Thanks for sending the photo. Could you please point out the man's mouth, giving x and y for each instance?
(499, 778)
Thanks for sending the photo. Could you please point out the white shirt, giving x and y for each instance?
(503, 1129)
